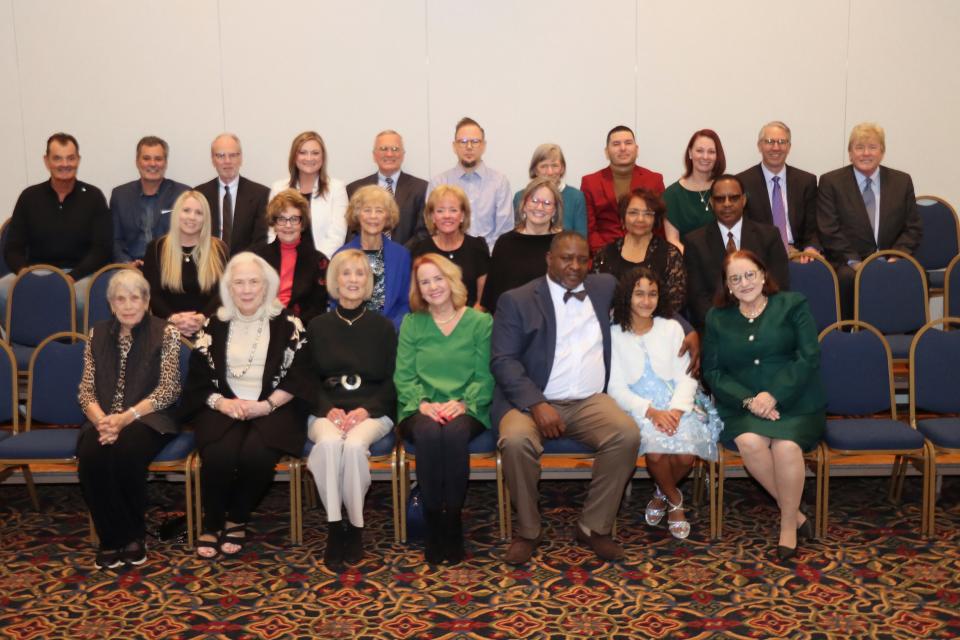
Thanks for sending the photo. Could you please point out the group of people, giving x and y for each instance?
(340, 313)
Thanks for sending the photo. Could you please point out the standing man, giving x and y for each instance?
(863, 208)
(238, 206)
(550, 356)
(782, 195)
(604, 188)
(141, 209)
(487, 190)
(409, 191)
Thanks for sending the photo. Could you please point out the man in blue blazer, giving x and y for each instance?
(550, 356)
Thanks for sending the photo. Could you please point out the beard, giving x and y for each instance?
(469, 165)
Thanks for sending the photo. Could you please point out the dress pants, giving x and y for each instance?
(596, 421)
(339, 464)
(113, 479)
(443, 458)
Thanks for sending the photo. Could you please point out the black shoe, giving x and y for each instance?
(805, 531)
(353, 545)
(433, 549)
(135, 553)
(453, 549)
(785, 553)
(333, 554)
(108, 559)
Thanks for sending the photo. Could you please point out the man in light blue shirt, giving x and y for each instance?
(488, 190)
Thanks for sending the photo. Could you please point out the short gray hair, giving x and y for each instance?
(131, 280)
(228, 310)
(774, 123)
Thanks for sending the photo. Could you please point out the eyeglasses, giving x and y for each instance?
(733, 197)
(641, 212)
(284, 221)
(772, 141)
(390, 149)
(536, 202)
(748, 277)
(220, 155)
(469, 142)
(860, 147)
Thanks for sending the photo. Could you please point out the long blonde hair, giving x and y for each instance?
(208, 255)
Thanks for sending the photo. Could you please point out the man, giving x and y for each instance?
(141, 209)
(706, 247)
(491, 210)
(603, 188)
(550, 357)
(409, 191)
(863, 208)
(238, 206)
(781, 195)
(61, 221)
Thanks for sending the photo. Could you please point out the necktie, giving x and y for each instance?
(579, 295)
(870, 202)
(779, 211)
(389, 182)
(226, 215)
(731, 243)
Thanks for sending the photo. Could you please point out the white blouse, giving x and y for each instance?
(240, 346)
(328, 223)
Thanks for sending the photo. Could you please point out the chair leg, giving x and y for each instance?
(721, 478)
(31, 487)
(896, 479)
(197, 495)
(818, 499)
(394, 493)
(293, 467)
(711, 488)
(503, 512)
(698, 481)
(926, 511)
(403, 483)
(825, 505)
(188, 500)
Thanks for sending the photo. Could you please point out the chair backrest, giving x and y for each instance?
(9, 413)
(940, 241)
(856, 370)
(55, 371)
(818, 282)
(934, 356)
(4, 228)
(97, 307)
(891, 296)
(951, 288)
(41, 303)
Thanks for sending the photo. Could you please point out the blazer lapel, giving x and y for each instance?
(794, 203)
(545, 303)
(275, 349)
(218, 349)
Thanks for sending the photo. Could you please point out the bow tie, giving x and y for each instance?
(579, 295)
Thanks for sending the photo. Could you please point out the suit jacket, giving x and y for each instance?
(396, 273)
(308, 298)
(249, 212)
(603, 221)
(410, 193)
(524, 341)
(845, 229)
(705, 249)
(801, 203)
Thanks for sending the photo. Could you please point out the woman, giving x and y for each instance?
(650, 381)
(447, 216)
(444, 390)
(184, 266)
(302, 268)
(246, 397)
(373, 212)
(519, 256)
(548, 162)
(761, 360)
(353, 351)
(327, 196)
(642, 216)
(128, 422)
(688, 199)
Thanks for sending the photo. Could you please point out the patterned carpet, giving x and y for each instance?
(875, 578)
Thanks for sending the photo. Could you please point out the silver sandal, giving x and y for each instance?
(679, 529)
(654, 515)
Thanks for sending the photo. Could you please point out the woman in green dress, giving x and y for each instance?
(688, 199)
(761, 360)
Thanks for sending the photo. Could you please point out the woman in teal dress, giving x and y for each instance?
(548, 162)
(761, 360)
(688, 199)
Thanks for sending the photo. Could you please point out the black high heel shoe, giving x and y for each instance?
(785, 553)
(805, 531)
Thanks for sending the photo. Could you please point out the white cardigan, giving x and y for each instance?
(328, 223)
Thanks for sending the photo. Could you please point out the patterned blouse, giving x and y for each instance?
(378, 299)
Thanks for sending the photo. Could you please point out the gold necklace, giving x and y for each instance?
(450, 319)
(349, 322)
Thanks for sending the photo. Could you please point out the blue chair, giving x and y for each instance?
(41, 303)
(96, 307)
(951, 289)
(892, 296)
(818, 282)
(940, 242)
(52, 382)
(4, 228)
(9, 415)
(857, 373)
(934, 400)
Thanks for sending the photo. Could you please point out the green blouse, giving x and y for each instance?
(438, 368)
(687, 210)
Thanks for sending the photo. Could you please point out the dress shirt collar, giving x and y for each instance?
(233, 185)
(382, 180)
(557, 290)
(862, 178)
(736, 229)
(768, 176)
(480, 169)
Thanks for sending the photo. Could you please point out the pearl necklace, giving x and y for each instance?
(704, 201)
(253, 350)
(751, 316)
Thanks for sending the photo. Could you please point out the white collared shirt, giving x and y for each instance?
(578, 369)
(735, 229)
(768, 177)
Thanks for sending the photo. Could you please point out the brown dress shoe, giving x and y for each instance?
(521, 549)
(604, 546)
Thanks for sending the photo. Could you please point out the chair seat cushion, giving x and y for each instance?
(4, 435)
(484, 443)
(871, 434)
(899, 345)
(381, 447)
(936, 278)
(22, 354)
(177, 449)
(943, 432)
(566, 446)
(41, 444)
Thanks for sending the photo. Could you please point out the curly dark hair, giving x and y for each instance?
(622, 311)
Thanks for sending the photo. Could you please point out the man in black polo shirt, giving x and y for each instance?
(62, 221)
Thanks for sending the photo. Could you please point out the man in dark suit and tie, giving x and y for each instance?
(706, 247)
(238, 206)
(863, 208)
(782, 195)
(409, 191)
(550, 356)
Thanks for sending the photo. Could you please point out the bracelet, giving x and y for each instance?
(213, 399)
(136, 414)
(747, 401)
(273, 407)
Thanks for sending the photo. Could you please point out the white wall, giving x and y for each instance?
(111, 71)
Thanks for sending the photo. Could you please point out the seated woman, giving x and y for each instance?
(184, 266)
(642, 216)
(650, 381)
(327, 196)
(548, 162)
(128, 421)
(762, 362)
(447, 216)
(521, 255)
(353, 352)
(688, 199)
(247, 398)
(302, 269)
(373, 212)
(444, 390)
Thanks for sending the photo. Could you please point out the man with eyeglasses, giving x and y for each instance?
(782, 195)
(238, 206)
(141, 209)
(604, 188)
(706, 247)
(863, 208)
(409, 191)
(491, 207)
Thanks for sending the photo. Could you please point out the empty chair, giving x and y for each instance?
(818, 282)
(892, 296)
(940, 241)
(951, 289)
(41, 303)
